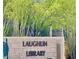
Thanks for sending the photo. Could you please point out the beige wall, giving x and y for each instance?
(54, 48)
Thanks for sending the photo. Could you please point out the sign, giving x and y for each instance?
(35, 47)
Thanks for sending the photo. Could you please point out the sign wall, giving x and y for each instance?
(35, 47)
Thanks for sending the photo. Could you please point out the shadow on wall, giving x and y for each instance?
(5, 48)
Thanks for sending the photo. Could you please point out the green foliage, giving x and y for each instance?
(35, 17)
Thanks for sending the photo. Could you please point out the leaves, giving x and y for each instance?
(35, 17)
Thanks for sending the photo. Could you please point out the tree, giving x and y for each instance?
(35, 17)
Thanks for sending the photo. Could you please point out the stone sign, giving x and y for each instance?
(35, 47)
